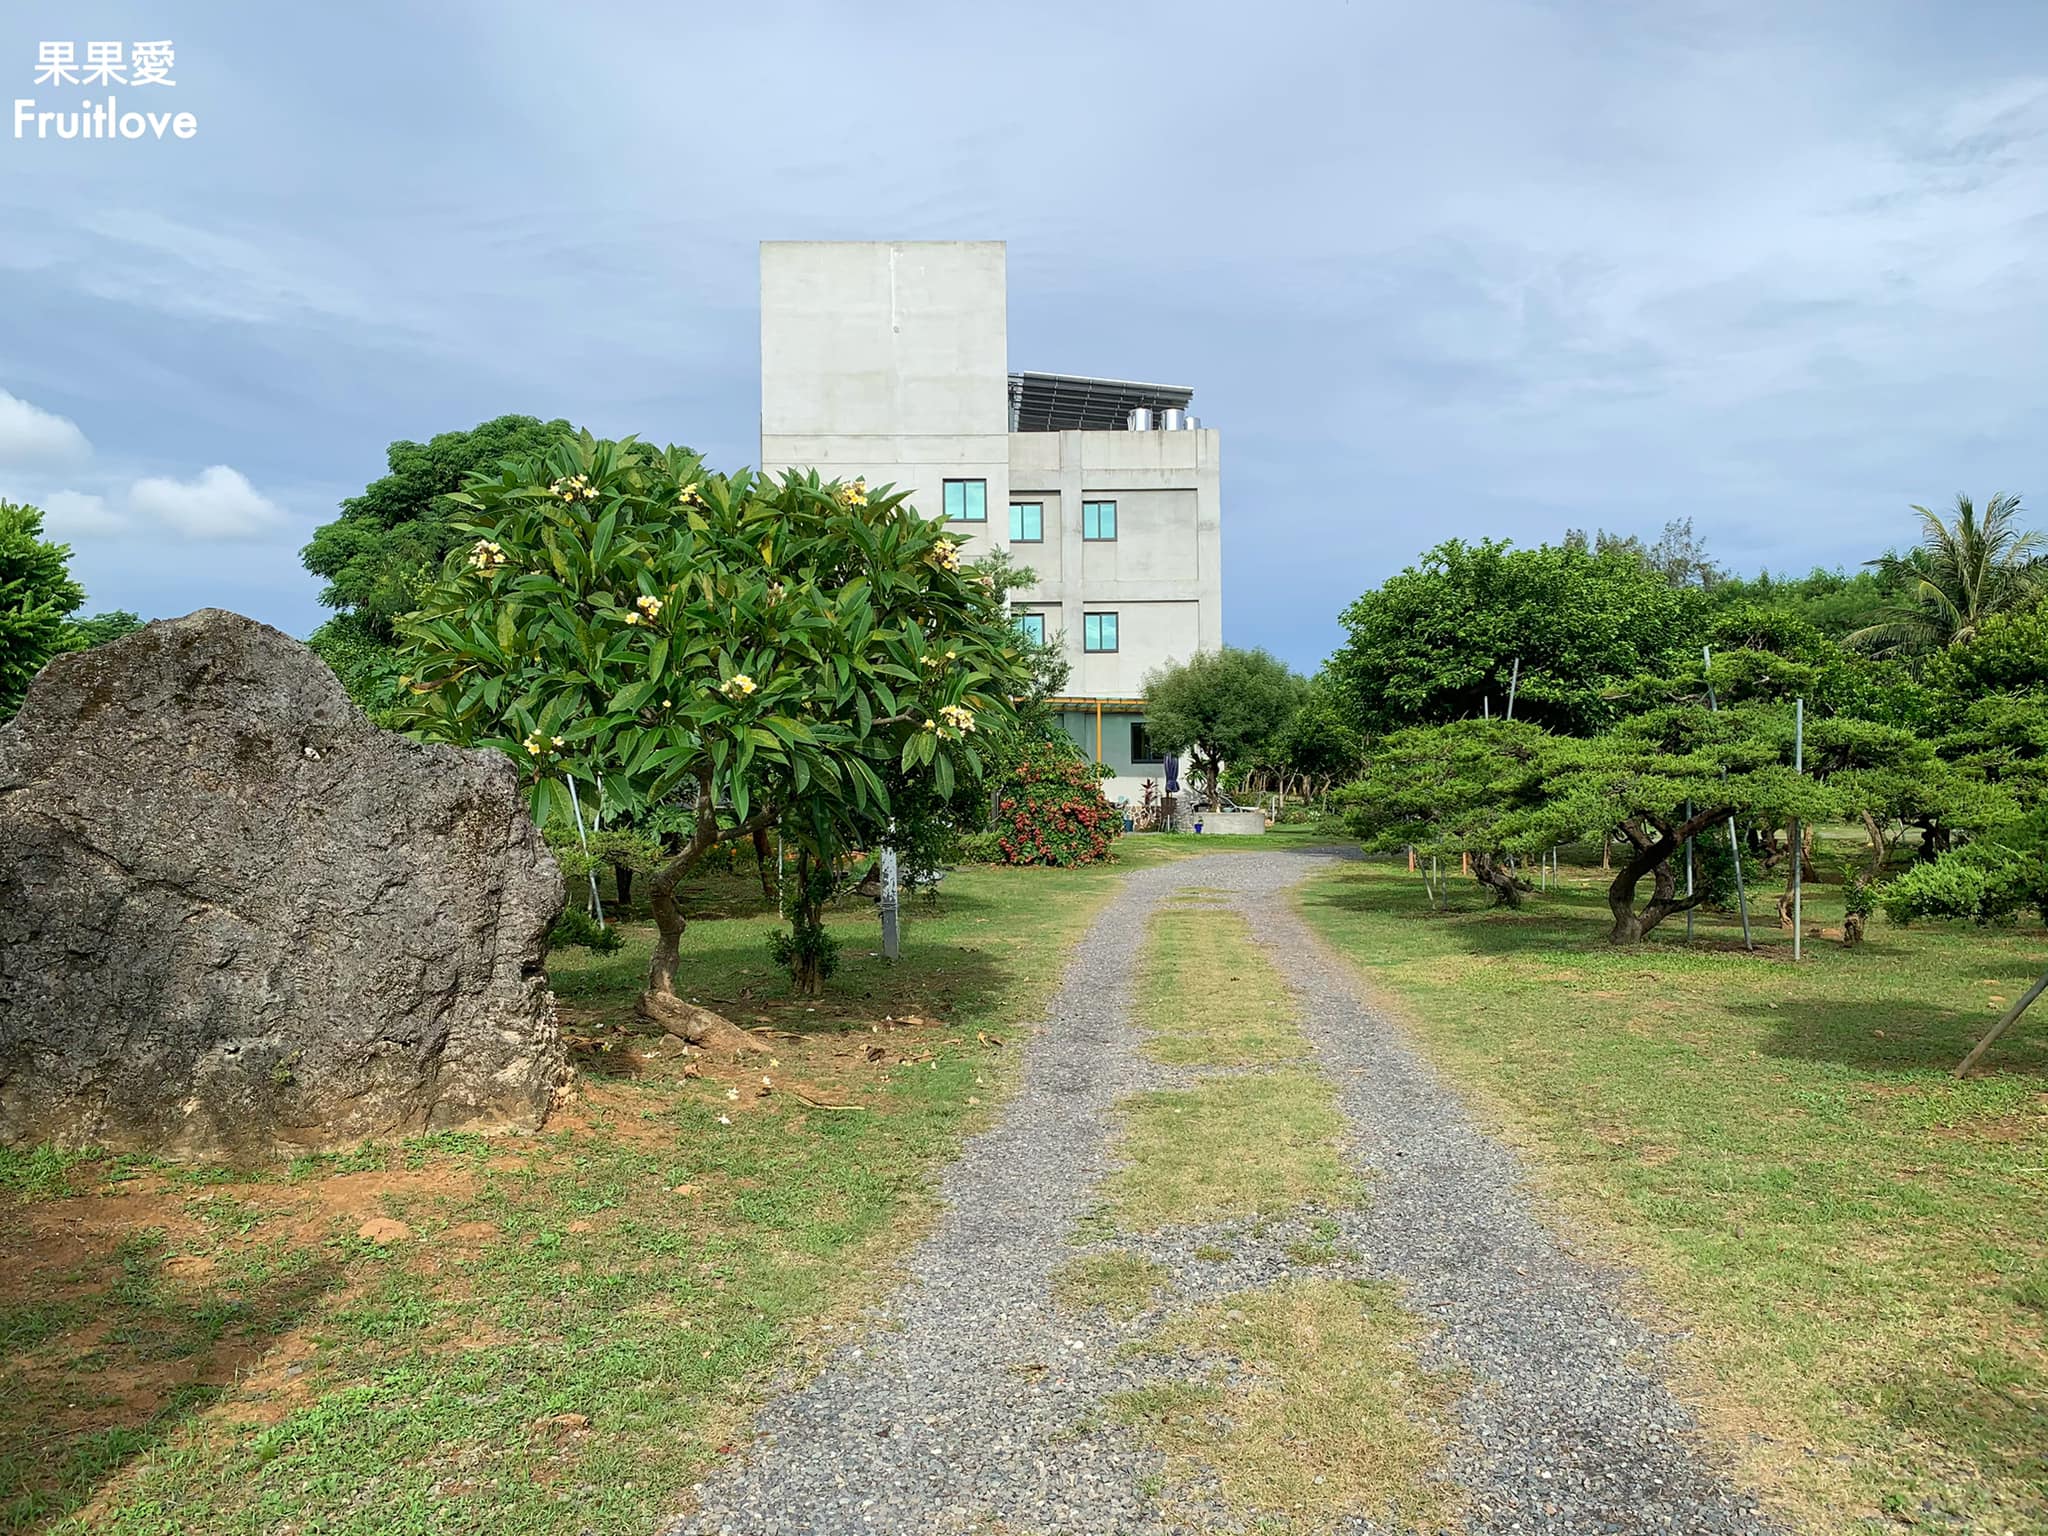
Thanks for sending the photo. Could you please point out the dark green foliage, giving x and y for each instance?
(979, 847)
(1961, 574)
(1220, 706)
(807, 950)
(577, 927)
(98, 628)
(1447, 789)
(1833, 603)
(1438, 642)
(579, 854)
(367, 664)
(37, 595)
(1317, 745)
(389, 541)
(1989, 880)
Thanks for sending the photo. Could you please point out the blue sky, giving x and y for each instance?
(1471, 268)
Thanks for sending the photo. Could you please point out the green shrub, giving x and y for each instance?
(1050, 809)
(578, 927)
(627, 847)
(979, 847)
(367, 664)
(1989, 880)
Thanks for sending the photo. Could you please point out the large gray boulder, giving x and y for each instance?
(239, 921)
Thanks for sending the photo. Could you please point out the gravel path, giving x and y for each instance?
(973, 1406)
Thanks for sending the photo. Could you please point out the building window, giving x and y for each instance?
(1098, 521)
(1098, 631)
(1033, 625)
(1141, 746)
(967, 501)
(1027, 522)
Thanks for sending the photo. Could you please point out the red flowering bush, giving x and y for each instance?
(1050, 810)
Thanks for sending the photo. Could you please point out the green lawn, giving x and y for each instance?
(1301, 1404)
(578, 1321)
(1857, 1243)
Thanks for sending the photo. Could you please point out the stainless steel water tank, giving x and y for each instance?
(1173, 420)
(1141, 419)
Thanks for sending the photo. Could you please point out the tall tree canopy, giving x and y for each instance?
(1439, 641)
(1962, 573)
(37, 597)
(1220, 706)
(765, 652)
(388, 542)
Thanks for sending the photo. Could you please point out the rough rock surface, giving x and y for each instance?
(238, 920)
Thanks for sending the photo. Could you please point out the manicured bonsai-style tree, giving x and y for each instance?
(1462, 788)
(626, 623)
(1661, 777)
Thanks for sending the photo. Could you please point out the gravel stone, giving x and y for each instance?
(974, 1405)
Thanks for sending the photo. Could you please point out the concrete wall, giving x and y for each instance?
(1162, 575)
(890, 360)
(1131, 774)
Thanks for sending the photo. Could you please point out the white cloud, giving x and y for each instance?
(30, 435)
(219, 503)
(76, 514)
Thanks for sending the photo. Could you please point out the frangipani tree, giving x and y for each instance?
(625, 622)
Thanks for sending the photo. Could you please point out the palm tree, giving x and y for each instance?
(1957, 577)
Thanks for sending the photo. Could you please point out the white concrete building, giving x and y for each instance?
(891, 360)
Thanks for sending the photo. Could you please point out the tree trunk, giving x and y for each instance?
(622, 881)
(699, 1026)
(661, 891)
(1651, 856)
(808, 975)
(1494, 874)
(1874, 830)
(764, 859)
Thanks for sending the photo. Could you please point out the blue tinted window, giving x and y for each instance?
(1033, 625)
(1027, 522)
(967, 501)
(1098, 519)
(1098, 632)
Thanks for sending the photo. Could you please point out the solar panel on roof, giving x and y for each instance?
(1062, 402)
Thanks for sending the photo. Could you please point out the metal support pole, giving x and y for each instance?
(1688, 875)
(2006, 1022)
(1798, 846)
(596, 904)
(1514, 679)
(1734, 841)
(891, 936)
